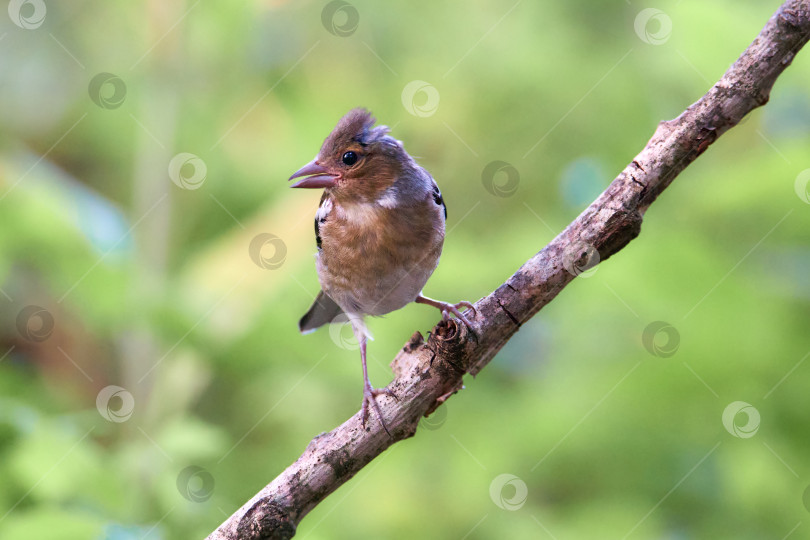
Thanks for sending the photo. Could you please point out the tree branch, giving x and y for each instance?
(427, 373)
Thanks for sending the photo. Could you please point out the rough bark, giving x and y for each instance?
(427, 373)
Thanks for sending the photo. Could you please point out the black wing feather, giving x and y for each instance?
(437, 198)
(320, 218)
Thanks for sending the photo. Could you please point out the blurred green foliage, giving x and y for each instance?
(152, 289)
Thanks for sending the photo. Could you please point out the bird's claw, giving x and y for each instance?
(369, 394)
(448, 308)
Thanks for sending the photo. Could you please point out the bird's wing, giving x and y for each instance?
(438, 199)
(320, 216)
(323, 311)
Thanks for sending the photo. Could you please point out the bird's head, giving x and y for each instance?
(357, 161)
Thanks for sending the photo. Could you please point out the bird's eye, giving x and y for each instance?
(350, 158)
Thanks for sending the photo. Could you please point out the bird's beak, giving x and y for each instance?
(317, 176)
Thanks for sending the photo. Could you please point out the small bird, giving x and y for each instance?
(379, 231)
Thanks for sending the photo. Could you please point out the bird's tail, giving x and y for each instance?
(323, 311)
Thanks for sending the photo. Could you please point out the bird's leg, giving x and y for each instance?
(369, 392)
(447, 308)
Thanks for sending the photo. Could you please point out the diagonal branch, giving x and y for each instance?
(427, 373)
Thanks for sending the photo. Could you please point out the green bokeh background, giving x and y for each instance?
(151, 287)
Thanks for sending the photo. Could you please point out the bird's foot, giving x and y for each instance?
(369, 395)
(447, 308)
